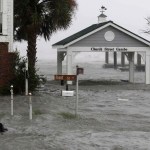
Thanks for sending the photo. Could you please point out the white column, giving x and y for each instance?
(131, 67)
(138, 60)
(69, 62)
(69, 68)
(147, 68)
(59, 62)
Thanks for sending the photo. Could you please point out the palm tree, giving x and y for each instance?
(33, 18)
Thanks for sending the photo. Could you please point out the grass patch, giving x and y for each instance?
(37, 112)
(2, 115)
(99, 82)
(67, 115)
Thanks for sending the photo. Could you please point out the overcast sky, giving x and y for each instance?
(129, 14)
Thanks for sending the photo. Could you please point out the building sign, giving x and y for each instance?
(65, 77)
(109, 49)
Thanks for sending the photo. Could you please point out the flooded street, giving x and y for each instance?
(112, 115)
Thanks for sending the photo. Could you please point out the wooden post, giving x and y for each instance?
(115, 60)
(131, 67)
(122, 59)
(107, 57)
(138, 60)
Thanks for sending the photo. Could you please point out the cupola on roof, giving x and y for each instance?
(102, 17)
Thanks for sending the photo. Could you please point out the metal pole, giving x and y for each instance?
(26, 77)
(77, 96)
(12, 99)
(67, 87)
(30, 106)
(77, 92)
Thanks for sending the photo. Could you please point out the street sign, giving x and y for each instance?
(67, 93)
(65, 77)
(80, 71)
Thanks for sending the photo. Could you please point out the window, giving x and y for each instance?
(1, 16)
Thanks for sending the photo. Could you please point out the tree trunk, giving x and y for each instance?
(31, 50)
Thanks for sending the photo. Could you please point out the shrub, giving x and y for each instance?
(67, 115)
(37, 112)
(18, 80)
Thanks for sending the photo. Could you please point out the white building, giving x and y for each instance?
(6, 42)
(105, 36)
(6, 23)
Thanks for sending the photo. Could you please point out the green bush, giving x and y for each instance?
(18, 80)
(19, 76)
(67, 115)
(37, 112)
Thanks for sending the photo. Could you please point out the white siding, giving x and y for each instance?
(1, 16)
(7, 23)
(5, 13)
(97, 40)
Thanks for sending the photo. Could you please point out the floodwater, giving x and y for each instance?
(112, 115)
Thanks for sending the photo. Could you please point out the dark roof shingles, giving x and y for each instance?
(80, 34)
(88, 30)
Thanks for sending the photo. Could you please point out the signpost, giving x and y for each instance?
(71, 78)
(77, 92)
(65, 78)
(78, 71)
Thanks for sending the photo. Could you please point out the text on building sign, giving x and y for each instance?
(108, 49)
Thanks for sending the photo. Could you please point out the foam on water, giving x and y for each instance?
(103, 123)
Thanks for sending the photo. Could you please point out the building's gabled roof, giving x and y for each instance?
(79, 34)
(92, 29)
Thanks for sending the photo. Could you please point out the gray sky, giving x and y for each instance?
(129, 14)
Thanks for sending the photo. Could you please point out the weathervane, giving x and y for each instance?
(103, 8)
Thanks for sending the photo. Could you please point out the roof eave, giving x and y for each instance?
(133, 35)
(86, 35)
(100, 28)
(58, 46)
